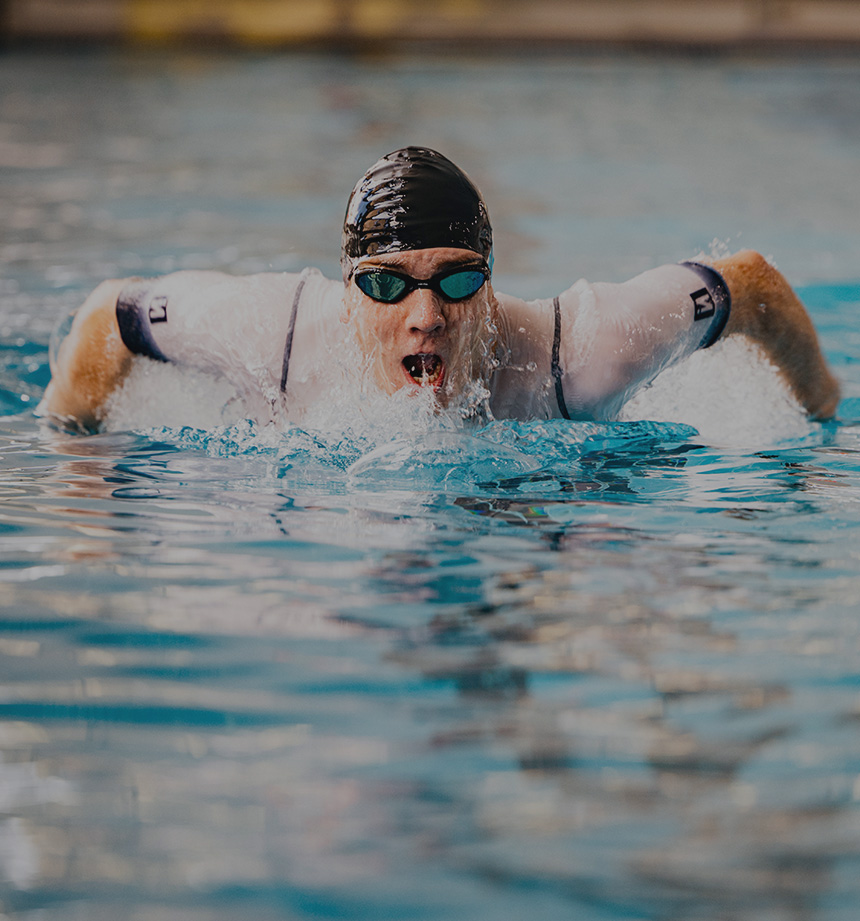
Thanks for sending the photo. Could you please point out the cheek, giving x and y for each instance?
(372, 326)
(472, 343)
(470, 326)
(374, 329)
(375, 342)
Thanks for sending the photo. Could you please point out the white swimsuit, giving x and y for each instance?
(277, 337)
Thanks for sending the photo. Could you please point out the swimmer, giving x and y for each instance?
(416, 311)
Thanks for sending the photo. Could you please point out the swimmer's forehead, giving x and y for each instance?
(419, 261)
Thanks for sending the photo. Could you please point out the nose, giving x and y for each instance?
(424, 312)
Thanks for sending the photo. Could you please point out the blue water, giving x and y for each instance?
(543, 670)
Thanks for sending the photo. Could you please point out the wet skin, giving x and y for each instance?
(423, 340)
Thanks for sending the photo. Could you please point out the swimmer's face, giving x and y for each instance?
(423, 340)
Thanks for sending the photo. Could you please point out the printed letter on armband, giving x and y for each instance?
(711, 302)
(136, 311)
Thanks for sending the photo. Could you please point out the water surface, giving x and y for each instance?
(543, 670)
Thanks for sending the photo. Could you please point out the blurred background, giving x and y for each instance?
(273, 23)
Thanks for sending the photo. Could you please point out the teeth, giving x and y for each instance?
(424, 368)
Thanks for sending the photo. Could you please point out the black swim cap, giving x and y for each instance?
(414, 198)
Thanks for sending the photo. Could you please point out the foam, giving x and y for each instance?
(730, 393)
(156, 395)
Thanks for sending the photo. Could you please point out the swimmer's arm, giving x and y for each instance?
(767, 311)
(614, 339)
(91, 363)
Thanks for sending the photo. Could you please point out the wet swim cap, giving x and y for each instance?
(414, 198)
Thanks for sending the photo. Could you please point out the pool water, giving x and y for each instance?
(425, 671)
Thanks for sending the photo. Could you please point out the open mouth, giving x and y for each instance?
(426, 369)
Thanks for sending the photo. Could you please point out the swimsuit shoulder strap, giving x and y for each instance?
(288, 345)
(556, 365)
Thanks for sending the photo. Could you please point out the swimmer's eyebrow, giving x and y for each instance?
(397, 261)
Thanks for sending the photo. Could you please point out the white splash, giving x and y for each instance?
(156, 395)
(731, 393)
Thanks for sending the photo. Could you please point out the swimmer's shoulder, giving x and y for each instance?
(525, 327)
(519, 386)
(194, 284)
(195, 297)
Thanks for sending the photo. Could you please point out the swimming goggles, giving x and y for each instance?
(454, 284)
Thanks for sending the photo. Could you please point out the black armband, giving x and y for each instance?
(136, 310)
(713, 302)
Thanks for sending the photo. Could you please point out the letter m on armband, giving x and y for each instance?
(703, 304)
(158, 309)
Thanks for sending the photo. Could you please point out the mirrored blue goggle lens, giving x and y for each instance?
(381, 286)
(461, 285)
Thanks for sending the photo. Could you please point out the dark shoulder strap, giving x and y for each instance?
(288, 345)
(556, 367)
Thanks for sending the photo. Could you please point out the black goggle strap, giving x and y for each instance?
(390, 286)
